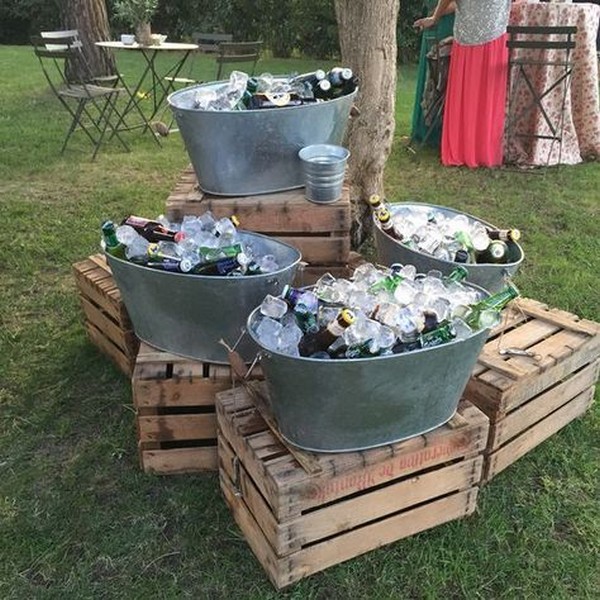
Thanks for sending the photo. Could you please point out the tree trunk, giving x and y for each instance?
(90, 18)
(367, 32)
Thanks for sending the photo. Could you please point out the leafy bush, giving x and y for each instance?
(20, 19)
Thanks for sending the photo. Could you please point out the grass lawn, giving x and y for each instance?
(78, 519)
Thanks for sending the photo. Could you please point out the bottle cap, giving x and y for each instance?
(515, 235)
(179, 237)
(374, 199)
(346, 316)
(235, 220)
(383, 215)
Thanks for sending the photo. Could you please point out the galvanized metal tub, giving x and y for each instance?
(240, 153)
(189, 314)
(355, 404)
(489, 276)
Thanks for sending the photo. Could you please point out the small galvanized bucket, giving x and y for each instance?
(245, 152)
(490, 277)
(324, 166)
(189, 314)
(355, 404)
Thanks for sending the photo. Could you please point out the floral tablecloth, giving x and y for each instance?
(581, 135)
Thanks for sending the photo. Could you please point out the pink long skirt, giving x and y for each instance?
(475, 102)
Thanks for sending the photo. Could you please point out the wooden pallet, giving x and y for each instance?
(106, 320)
(320, 232)
(528, 399)
(174, 398)
(302, 512)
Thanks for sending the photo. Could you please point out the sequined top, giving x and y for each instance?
(480, 21)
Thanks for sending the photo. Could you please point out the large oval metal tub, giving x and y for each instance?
(245, 152)
(189, 314)
(355, 404)
(489, 276)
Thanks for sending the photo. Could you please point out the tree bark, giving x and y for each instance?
(90, 18)
(367, 32)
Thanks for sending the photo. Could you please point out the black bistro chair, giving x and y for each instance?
(93, 108)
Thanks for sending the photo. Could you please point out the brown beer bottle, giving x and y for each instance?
(319, 341)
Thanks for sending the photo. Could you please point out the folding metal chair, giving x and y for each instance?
(541, 68)
(237, 52)
(92, 107)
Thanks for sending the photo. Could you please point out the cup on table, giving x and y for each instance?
(127, 39)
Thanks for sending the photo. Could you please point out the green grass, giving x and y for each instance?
(77, 517)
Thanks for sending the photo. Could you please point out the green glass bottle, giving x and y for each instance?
(440, 335)
(389, 282)
(210, 254)
(458, 274)
(486, 313)
(111, 243)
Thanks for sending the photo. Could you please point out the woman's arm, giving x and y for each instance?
(443, 8)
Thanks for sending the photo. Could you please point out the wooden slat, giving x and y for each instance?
(290, 490)
(124, 339)
(163, 428)
(179, 460)
(124, 362)
(176, 392)
(267, 213)
(284, 571)
(511, 452)
(541, 406)
(372, 505)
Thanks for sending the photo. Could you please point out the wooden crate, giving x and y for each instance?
(320, 232)
(174, 398)
(528, 399)
(106, 320)
(302, 512)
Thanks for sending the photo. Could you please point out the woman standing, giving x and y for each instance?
(430, 37)
(473, 124)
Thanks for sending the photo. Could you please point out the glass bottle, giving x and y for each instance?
(440, 335)
(384, 217)
(506, 235)
(111, 244)
(324, 337)
(495, 253)
(486, 313)
(458, 274)
(304, 305)
(389, 282)
(153, 231)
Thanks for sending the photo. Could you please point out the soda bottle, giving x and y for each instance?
(324, 337)
(111, 243)
(153, 231)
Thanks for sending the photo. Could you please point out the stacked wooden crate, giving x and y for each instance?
(320, 232)
(106, 320)
(531, 396)
(302, 512)
(174, 399)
